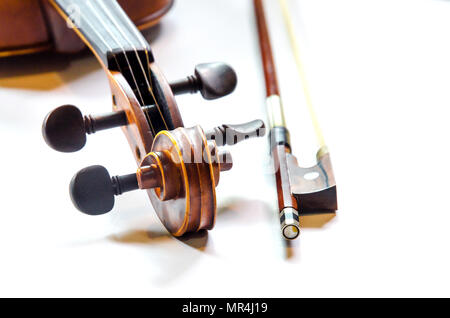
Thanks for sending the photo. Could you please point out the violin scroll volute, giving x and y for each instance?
(180, 175)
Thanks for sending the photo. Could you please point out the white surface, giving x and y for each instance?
(380, 77)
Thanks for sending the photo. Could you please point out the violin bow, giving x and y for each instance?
(301, 191)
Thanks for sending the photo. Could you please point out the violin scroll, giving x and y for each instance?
(180, 176)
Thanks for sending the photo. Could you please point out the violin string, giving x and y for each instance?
(89, 3)
(116, 23)
(301, 70)
(99, 36)
(109, 47)
(144, 44)
(132, 73)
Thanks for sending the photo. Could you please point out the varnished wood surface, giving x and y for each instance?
(191, 172)
(22, 26)
(270, 73)
(28, 26)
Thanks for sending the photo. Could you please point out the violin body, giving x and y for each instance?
(32, 26)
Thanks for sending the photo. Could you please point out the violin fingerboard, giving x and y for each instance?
(104, 26)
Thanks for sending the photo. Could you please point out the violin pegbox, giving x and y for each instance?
(180, 175)
(65, 128)
(178, 167)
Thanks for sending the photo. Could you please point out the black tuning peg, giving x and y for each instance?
(65, 128)
(232, 134)
(92, 189)
(213, 80)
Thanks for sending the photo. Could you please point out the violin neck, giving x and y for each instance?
(104, 27)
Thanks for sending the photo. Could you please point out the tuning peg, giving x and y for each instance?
(65, 128)
(92, 189)
(213, 80)
(233, 134)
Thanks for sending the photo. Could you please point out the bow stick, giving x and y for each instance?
(300, 190)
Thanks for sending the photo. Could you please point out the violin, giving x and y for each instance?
(178, 167)
(38, 27)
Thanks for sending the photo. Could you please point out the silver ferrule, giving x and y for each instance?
(290, 225)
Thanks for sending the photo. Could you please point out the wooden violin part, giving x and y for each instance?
(178, 167)
(32, 26)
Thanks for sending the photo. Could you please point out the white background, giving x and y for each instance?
(379, 73)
